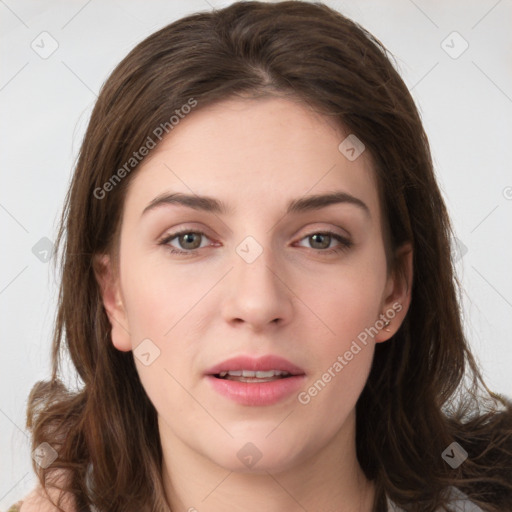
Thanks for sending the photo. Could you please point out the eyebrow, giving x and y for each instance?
(212, 205)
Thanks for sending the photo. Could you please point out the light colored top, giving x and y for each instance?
(458, 501)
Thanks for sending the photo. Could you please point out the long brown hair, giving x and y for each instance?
(424, 391)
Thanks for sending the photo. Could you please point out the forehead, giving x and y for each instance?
(254, 153)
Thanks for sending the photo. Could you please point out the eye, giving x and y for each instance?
(189, 241)
(321, 241)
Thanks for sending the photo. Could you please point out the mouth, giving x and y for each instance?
(249, 369)
(253, 376)
(253, 381)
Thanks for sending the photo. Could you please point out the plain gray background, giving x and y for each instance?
(465, 98)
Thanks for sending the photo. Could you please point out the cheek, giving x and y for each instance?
(349, 308)
(341, 357)
(160, 295)
(165, 303)
(349, 300)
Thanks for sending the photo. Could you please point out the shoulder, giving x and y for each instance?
(40, 500)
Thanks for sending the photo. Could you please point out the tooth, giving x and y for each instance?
(248, 373)
(243, 379)
(265, 375)
(235, 373)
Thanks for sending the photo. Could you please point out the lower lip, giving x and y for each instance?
(257, 393)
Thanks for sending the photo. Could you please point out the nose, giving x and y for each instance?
(258, 294)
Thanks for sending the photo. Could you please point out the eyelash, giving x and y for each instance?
(345, 244)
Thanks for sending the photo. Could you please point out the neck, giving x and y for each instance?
(330, 479)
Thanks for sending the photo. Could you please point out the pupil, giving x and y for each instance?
(188, 238)
(325, 237)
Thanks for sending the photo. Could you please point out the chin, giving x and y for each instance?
(259, 456)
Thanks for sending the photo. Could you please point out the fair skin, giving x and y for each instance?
(294, 300)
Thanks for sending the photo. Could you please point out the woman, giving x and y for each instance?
(257, 287)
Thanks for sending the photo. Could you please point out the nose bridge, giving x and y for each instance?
(255, 267)
(258, 295)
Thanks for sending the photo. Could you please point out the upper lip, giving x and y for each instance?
(264, 363)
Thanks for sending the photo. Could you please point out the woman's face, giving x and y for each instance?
(264, 272)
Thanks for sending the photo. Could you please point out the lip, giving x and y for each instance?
(256, 393)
